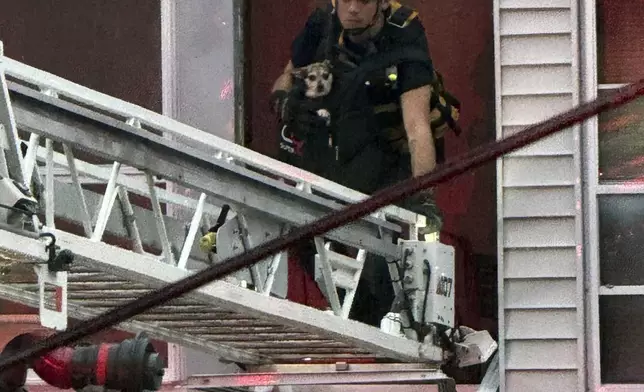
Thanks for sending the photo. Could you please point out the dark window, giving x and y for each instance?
(621, 143)
(622, 357)
(621, 239)
(620, 26)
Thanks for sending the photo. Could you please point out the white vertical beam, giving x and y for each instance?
(176, 354)
(13, 156)
(589, 85)
(496, 15)
(579, 205)
(30, 157)
(159, 220)
(71, 163)
(168, 59)
(192, 232)
(108, 202)
(129, 221)
(49, 184)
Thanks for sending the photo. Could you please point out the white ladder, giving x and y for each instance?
(218, 317)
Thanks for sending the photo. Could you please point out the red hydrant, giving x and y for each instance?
(132, 365)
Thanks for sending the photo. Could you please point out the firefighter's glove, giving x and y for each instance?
(305, 120)
(298, 113)
(279, 101)
(424, 203)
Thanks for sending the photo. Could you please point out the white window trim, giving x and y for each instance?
(176, 371)
(592, 189)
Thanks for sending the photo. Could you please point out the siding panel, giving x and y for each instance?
(540, 294)
(530, 79)
(548, 21)
(546, 49)
(557, 144)
(541, 324)
(530, 109)
(537, 171)
(540, 381)
(539, 218)
(539, 233)
(543, 202)
(540, 263)
(561, 143)
(542, 355)
(532, 4)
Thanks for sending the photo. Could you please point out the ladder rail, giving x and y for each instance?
(333, 375)
(100, 175)
(222, 175)
(37, 112)
(149, 271)
(27, 75)
(224, 182)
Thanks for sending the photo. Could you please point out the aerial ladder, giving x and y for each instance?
(74, 252)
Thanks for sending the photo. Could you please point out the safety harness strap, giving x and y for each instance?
(401, 16)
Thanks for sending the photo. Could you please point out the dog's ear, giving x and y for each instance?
(300, 73)
(327, 63)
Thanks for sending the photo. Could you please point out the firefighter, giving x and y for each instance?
(388, 114)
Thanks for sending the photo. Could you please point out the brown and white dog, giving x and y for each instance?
(318, 80)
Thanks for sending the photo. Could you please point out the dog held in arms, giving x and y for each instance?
(318, 81)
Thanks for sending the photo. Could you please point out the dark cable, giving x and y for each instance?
(18, 210)
(387, 196)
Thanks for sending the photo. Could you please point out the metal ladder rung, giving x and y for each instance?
(340, 261)
(343, 280)
(342, 271)
(335, 270)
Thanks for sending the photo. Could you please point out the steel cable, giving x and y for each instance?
(390, 195)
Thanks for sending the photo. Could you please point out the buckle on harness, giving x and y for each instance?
(396, 23)
(401, 16)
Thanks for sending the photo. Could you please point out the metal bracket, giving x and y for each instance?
(474, 347)
(428, 279)
(242, 233)
(52, 278)
(57, 261)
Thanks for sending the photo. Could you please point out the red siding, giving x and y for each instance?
(619, 32)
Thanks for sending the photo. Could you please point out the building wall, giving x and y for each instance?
(539, 199)
(101, 45)
(121, 56)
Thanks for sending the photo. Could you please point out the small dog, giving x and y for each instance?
(318, 79)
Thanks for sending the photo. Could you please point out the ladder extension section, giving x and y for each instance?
(53, 134)
(289, 377)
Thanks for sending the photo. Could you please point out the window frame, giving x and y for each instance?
(593, 189)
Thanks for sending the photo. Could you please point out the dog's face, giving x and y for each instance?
(318, 78)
